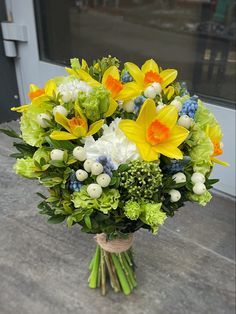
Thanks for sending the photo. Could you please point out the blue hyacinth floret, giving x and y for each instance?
(184, 90)
(176, 165)
(138, 103)
(74, 184)
(107, 164)
(126, 77)
(189, 107)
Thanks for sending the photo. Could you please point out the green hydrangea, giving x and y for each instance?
(132, 210)
(25, 168)
(201, 199)
(32, 133)
(96, 104)
(152, 215)
(107, 201)
(200, 150)
(204, 116)
(141, 180)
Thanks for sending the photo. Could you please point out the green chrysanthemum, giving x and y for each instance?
(152, 215)
(25, 168)
(132, 210)
(201, 199)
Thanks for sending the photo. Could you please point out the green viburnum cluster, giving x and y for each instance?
(96, 104)
(142, 179)
(107, 201)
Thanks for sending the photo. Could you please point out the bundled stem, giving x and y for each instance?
(118, 267)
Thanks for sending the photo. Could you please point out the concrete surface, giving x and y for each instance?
(188, 268)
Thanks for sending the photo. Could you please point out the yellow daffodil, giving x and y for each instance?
(147, 75)
(155, 132)
(76, 127)
(215, 136)
(37, 94)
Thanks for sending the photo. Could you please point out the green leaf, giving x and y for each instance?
(25, 149)
(41, 195)
(123, 168)
(56, 219)
(57, 163)
(60, 144)
(10, 132)
(87, 221)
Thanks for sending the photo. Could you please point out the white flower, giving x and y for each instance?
(113, 143)
(69, 90)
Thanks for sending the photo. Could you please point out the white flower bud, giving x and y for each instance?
(96, 168)
(157, 87)
(128, 106)
(60, 109)
(221, 145)
(174, 195)
(94, 190)
(150, 92)
(79, 153)
(177, 104)
(81, 175)
(199, 188)
(57, 154)
(185, 121)
(160, 106)
(88, 164)
(41, 119)
(66, 96)
(103, 180)
(179, 177)
(197, 177)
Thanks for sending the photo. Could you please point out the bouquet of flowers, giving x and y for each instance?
(117, 150)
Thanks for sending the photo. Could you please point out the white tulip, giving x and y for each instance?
(198, 177)
(157, 87)
(150, 92)
(79, 153)
(88, 164)
(199, 188)
(60, 109)
(179, 177)
(57, 154)
(94, 190)
(81, 175)
(174, 195)
(96, 168)
(185, 121)
(103, 180)
(177, 104)
(42, 120)
(128, 106)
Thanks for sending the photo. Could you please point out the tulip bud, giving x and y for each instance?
(199, 188)
(103, 180)
(79, 153)
(94, 190)
(42, 120)
(57, 154)
(174, 195)
(81, 175)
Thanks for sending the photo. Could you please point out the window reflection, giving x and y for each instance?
(197, 37)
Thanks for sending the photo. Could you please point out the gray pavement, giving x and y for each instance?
(188, 268)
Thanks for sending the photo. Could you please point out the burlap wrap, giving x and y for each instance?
(114, 246)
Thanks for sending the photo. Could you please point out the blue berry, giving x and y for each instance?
(126, 77)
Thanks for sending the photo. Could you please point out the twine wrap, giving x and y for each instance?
(114, 246)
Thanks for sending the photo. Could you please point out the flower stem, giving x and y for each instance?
(121, 275)
(93, 280)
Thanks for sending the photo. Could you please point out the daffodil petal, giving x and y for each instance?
(113, 71)
(177, 136)
(133, 131)
(168, 116)
(129, 91)
(218, 161)
(168, 76)
(88, 78)
(150, 65)
(169, 91)
(62, 136)
(147, 114)
(72, 72)
(168, 151)
(50, 88)
(135, 72)
(112, 107)
(79, 112)
(147, 152)
(95, 127)
(20, 108)
(84, 65)
(62, 120)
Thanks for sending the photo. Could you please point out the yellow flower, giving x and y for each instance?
(76, 127)
(215, 136)
(148, 74)
(37, 94)
(155, 132)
